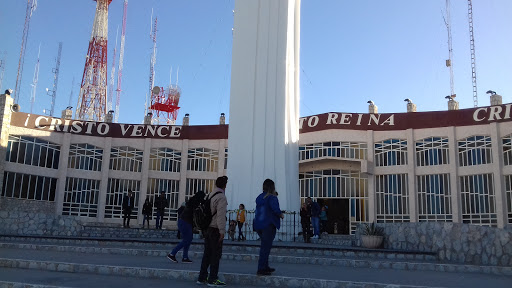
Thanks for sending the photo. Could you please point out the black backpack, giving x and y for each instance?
(203, 214)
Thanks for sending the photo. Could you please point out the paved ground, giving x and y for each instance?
(389, 276)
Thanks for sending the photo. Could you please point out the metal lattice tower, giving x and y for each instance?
(2, 70)
(31, 7)
(473, 57)
(34, 81)
(152, 63)
(55, 71)
(92, 100)
(449, 62)
(120, 68)
(112, 73)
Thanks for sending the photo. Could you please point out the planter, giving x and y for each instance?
(371, 241)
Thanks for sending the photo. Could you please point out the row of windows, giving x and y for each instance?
(30, 187)
(434, 199)
(32, 151)
(475, 150)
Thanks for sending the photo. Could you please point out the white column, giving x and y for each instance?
(183, 171)
(372, 208)
(144, 179)
(454, 176)
(104, 178)
(63, 169)
(264, 103)
(411, 178)
(499, 181)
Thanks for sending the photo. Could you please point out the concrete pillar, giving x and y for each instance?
(147, 118)
(373, 109)
(109, 118)
(183, 171)
(499, 180)
(496, 99)
(144, 179)
(6, 103)
(453, 105)
(105, 172)
(411, 176)
(67, 113)
(264, 102)
(62, 173)
(185, 120)
(372, 210)
(454, 176)
(411, 107)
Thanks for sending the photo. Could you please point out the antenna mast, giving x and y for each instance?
(120, 68)
(152, 64)
(55, 79)
(112, 72)
(34, 81)
(2, 70)
(449, 62)
(92, 100)
(71, 94)
(31, 7)
(473, 57)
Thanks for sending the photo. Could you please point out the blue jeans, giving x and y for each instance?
(159, 219)
(186, 234)
(316, 225)
(267, 236)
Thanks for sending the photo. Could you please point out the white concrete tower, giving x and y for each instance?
(264, 103)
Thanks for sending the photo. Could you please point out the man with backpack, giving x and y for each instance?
(214, 234)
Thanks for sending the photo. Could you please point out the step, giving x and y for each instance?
(277, 257)
(306, 249)
(241, 272)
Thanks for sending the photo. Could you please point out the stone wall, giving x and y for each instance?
(26, 223)
(29, 206)
(453, 242)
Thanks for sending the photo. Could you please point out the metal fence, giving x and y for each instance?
(290, 226)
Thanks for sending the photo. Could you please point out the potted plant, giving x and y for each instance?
(372, 236)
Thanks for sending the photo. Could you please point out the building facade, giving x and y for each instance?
(443, 166)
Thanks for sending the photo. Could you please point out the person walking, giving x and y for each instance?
(147, 211)
(214, 235)
(240, 219)
(305, 221)
(315, 217)
(185, 225)
(160, 205)
(323, 219)
(128, 204)
(266, 221)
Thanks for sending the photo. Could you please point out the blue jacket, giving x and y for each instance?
(267, 212)
(315, 209)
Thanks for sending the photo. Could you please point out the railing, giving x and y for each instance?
(290, 226)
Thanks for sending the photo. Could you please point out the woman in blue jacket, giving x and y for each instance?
(266, 221)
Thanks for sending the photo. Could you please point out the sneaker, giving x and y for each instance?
(172, 258)
(271, 270)
(201, 282)
(186, 260)
(263, 273)
(216, 283)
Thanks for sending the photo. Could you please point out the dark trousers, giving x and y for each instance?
(159, 219)
(126, 217)
(306, 232)
(267, 236)
(146, 218)
(211, 256)
(186, 230)
(240, 235)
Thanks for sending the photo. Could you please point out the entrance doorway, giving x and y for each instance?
(337, 215)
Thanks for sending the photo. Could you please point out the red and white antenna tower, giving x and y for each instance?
(164, 103)
(120, 68)
(31, 7)
(473, 54)
(92, 101)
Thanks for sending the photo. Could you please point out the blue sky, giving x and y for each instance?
(351, 52)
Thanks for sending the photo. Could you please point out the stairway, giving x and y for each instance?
(35, 261)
